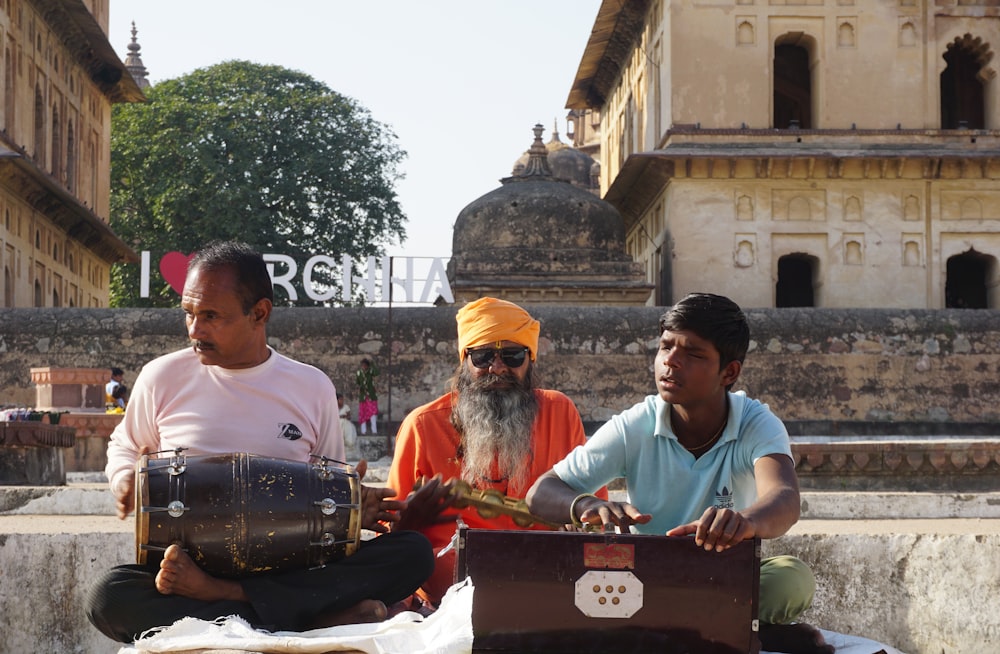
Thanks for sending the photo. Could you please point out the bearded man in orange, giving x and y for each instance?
(495, 430)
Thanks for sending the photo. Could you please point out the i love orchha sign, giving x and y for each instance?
(382, 281)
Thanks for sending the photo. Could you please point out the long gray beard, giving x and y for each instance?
(495, 425)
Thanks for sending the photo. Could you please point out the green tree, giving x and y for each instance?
(260, 153)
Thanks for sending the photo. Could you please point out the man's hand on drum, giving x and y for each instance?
(125, 490)
(717, 529)
(426, 504)
(125, 495)
(594, 511)
(375, 508)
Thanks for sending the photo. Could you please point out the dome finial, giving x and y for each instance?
(538, 157)
(555, 142)
(133, 62)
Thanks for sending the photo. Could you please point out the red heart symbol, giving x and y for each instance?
(174, 268)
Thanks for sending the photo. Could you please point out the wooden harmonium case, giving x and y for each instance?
(548, 591)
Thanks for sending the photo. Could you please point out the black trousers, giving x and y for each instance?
(124, 602)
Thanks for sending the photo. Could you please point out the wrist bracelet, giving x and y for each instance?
(572, 509)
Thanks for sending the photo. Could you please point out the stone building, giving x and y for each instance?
(60, 78)
(541, 239)
(828, 153)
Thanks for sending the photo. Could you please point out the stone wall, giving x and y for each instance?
(834, 370)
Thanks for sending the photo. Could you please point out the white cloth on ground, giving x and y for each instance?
(845, 644)
(447, 631)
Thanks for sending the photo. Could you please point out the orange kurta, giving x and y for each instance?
(427, 444)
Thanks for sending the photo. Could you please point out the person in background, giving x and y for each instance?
(231, 392)
(115, 391)
(495, 429)
(698, 460)
(367, 397)
(347, 428)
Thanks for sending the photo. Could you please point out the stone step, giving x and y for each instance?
(917, 585)
(908, 569)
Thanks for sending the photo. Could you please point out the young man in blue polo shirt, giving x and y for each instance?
(698, 460)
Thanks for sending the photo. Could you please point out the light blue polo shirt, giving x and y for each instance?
(663, 479)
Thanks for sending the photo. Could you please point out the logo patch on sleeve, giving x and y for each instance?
(290, 431)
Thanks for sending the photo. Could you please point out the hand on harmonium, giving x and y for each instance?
(427, 503)
(375, 509)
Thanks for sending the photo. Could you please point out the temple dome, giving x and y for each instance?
(538, 232)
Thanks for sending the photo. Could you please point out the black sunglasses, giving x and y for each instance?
(512, 357)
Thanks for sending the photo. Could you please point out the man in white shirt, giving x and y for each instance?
(230, 392)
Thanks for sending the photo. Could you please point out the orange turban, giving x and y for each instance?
(489, 320)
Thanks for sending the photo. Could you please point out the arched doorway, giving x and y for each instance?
(8, 287)
(793, 85)
(963, 84)
(970, 276)
(796, 281)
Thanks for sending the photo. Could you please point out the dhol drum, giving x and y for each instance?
(240, 514)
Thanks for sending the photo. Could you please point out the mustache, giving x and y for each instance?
(204, 345)
(489, 380)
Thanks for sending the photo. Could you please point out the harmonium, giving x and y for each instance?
(562, 592)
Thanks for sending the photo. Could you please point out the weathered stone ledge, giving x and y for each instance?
(912, 464)
(35, 434)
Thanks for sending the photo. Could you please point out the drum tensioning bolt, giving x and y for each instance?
(327, 506)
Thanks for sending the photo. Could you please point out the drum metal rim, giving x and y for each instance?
(354, 526)
(140, 491)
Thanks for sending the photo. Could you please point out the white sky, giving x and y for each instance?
(460, 82)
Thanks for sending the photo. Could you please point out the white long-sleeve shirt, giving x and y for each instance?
(280, 409)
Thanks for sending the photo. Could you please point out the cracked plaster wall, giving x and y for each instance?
(844, 366)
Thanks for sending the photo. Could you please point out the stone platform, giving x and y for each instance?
(913, 570)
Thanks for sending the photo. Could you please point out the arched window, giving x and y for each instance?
(8, 287)
(971, 276)
(55, 298)
(796, 280)
(38, 294)
(56, 160)
(963, 84)
(792, 86)
(665, 280)
(70, 157)
(8, 87)
(39, 128)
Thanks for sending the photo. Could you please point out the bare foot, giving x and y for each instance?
(179, 575)
(798, 638)
(369, 610)
(412, 603)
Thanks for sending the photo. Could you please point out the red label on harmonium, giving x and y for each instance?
(615, 556)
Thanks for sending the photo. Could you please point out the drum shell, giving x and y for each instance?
(247, 514)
